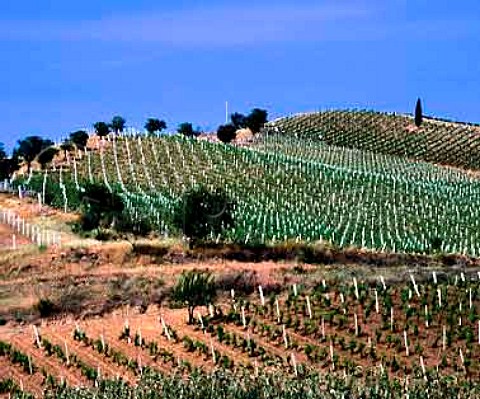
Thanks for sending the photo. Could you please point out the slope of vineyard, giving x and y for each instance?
(286, 188)
(441, 142)
(377, 333)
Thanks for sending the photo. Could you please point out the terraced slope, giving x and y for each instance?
(447, 143)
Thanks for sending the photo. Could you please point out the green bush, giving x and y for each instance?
(201, 213)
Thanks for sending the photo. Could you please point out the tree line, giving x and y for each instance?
(32, 148)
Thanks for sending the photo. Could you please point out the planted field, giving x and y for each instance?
(285, 189)
(345, 336)
(434, 141)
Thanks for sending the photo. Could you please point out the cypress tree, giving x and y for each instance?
(418, 113)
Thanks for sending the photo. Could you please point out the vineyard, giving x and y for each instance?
(441, 142)
(338, 339)
(284, 188)
(364, 182)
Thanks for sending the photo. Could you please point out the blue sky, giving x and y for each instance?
(66, 64)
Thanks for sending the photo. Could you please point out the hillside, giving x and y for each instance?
(441, 142)
(326, 320)
(287, 189)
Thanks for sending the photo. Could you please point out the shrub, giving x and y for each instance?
(46, 307)
(194, 289)
(201, 213)
(226, 133)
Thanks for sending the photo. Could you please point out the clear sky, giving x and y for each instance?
(66, 64)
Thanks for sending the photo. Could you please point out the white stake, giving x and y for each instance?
(284, 336)
(323, 328)
(423, 368)
(415, 285)
(243, 317)
(262, 298)
(435, 277)
(37, 336)
(444, 338)
(383, 282)
(356, 288)
(406, 342)
(200, 320)
(377, 307)
(426, 316)
(309, 308)
(331, 355)
(294, 363)
(67, 353)
(213, 352)
(391, 318)
(355, 318)
(295, 289)
(439, 294)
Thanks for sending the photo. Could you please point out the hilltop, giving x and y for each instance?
(437, 141)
